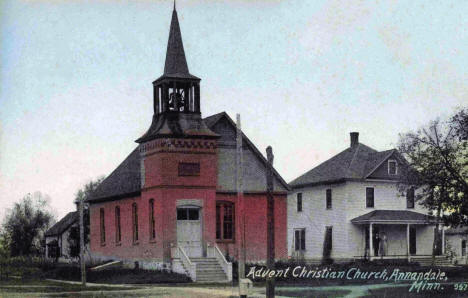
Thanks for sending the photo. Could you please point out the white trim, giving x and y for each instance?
(396, 167)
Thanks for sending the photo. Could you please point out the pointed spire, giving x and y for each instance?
(175, 55)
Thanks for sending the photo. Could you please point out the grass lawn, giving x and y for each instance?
(44, 286)
(403, 292)
(312, 293)
(117, 276)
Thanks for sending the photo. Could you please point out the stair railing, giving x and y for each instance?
(189, 265)
(215, 252)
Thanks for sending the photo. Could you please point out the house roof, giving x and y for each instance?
(458, 230)
(125, 180)
(355, 162)
(63, 224)
(388, 216)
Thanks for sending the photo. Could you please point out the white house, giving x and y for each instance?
(353, 199)
(455, 241)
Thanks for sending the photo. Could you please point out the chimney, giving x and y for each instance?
(354, 139)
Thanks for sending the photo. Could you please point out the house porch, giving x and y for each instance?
(397, 234)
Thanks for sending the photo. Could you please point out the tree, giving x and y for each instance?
(437, 167)
(24, 225)
(74, 236)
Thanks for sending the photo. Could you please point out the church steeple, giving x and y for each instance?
(175, 55)
(176, 95)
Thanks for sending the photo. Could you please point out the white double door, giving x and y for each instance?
(189, 230)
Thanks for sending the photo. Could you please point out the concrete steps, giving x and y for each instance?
(440, 261)
(209, 270)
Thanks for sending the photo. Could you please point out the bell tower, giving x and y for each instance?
(176, 95)
(176, 90)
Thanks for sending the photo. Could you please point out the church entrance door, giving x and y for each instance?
(189, 230)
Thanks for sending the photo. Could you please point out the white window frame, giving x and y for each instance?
(396, 167)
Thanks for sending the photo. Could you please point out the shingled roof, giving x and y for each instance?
(125, 180)
(63, 224)
(457, 230)
(355, 162)
(176, 63)
(392, 216)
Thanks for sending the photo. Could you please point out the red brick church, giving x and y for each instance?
(172, 202)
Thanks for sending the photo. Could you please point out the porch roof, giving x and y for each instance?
(394, 216)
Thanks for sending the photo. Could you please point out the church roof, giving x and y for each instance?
(355, 162)
(182, 125)
(63, 224)
(176, 64)
(125, 180)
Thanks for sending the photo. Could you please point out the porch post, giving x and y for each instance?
(407, 242)
(371, 246)
(443, 241)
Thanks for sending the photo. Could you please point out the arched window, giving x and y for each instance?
(152, 224)
(135, 222)
(225, 221)
(118, 231)
(103, 227)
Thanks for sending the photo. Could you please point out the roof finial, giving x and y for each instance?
(174, 4)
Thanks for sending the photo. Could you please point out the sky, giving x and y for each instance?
(75, 79)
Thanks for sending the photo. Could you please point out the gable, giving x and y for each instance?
(381, 170)
(254, 163)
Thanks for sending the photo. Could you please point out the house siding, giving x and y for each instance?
(348, 202)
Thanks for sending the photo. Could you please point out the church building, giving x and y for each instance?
(172, 203)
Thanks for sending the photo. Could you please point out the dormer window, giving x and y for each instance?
(392, 167)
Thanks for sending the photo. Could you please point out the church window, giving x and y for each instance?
(103, 227)
(118, 231)
(152, 220)
(135, 222)
(225, 221)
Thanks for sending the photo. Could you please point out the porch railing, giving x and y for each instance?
(213, 251)
(189, 265)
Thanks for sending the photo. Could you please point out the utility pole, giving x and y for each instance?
(270, 282)
(82, 243)
(240, 202)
